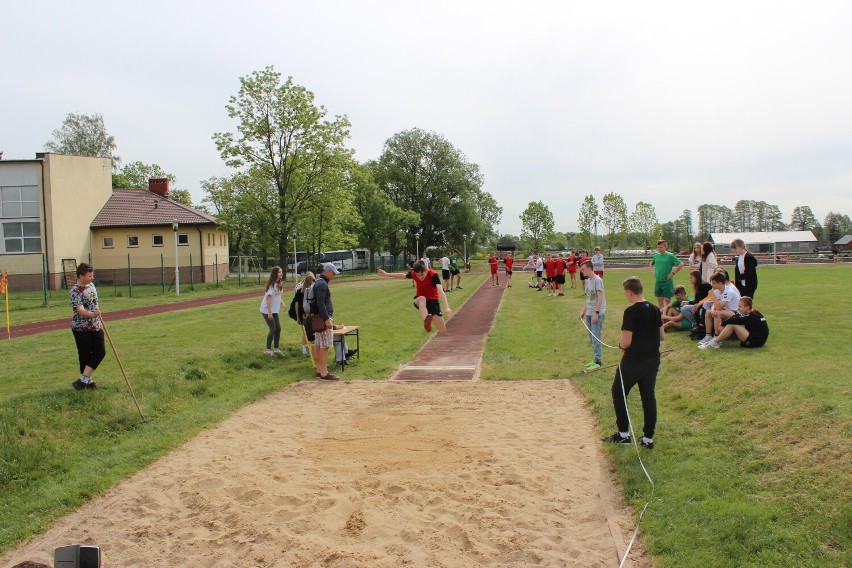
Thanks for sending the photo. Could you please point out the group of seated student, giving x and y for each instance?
(717, 313)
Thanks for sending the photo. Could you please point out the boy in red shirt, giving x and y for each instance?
(493, 263)
(509, 262)
(429, 296)
(573, 263)
(550, 272)
(561, 265)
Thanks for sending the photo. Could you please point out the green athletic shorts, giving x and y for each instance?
(664, 289)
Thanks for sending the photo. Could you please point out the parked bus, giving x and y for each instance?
(353, 259)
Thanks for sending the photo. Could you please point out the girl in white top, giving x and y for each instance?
(270, 306)
(708, 261)
(695, 258)
(598, 261)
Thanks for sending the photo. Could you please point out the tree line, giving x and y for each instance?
(611, 225)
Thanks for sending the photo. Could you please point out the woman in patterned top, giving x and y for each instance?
(86, 326)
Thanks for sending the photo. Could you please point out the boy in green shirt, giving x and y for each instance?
(665, 266)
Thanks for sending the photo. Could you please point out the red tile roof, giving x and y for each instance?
(140, 207)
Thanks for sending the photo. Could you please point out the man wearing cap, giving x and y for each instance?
(325, 308)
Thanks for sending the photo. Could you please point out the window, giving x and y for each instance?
(107, 243)
(183, 239)
(208, 239)
(156, 240)
(19, 201)
(20, 228)
(21, 237)
(132, 241)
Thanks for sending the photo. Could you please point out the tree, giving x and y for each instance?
(137, 174)
(422, 172)
(381, 224)
(284, 140)
(803, 219)
(537, 224)
(587, 221)
(84, 135)
(614, 217)
(643, 221)
(713, 219)
(836, 225)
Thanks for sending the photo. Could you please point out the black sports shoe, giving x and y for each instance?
(351, 353)
(90, 385)
(78, 385)
(644, 444)
(617, 439)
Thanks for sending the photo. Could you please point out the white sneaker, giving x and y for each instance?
(709, 345)
(269, 352)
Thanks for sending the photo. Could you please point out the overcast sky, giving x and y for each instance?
(674, 103)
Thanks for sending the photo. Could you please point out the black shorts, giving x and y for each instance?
(560, 279)
(551, 278)
(454, 271)
(750, 343)
(538, 273)
(433, 307)
(508, 272)
(445, 274)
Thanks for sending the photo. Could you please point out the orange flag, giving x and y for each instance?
(4, 282)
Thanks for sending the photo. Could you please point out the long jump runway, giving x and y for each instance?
(456, 355)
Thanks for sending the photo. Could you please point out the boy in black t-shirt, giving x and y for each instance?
(748, 325)
(641, 334)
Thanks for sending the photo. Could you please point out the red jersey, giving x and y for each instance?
(428, 287)
(550, 267)
(572, 264)
(492, 261)
(508, 261)
(561, 265)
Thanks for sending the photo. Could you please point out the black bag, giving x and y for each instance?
(297, 298)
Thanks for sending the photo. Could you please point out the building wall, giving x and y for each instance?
(76, 188)
(152, 263)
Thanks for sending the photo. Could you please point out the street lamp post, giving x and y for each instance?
(295, 259)
(417, 237)
(177, 265)
(465, 251)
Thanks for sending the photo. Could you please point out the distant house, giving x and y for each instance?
(58, 210)
(137, 229)
(844, 243)
(767, 242)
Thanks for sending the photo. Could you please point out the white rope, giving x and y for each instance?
(635, 446)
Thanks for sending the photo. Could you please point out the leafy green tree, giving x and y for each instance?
(137, 174)
(587, 221)
(714, 219)
(380, 223)
(283, 139)
(614, 217)
(84, 135)
(836, 225)
(643, 221)
(246, 205)
(684, 224)
(803, 219)
(424, 173)
(537, 224)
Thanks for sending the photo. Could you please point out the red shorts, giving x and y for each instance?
(493, 269)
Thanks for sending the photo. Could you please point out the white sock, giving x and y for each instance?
(84, 379)
(624, 434)
(647, 440)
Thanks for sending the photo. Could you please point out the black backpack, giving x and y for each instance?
(297, 297)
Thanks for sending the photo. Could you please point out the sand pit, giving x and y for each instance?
(368, 474)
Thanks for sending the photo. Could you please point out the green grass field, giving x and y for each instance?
(752, 460)
(751, 466)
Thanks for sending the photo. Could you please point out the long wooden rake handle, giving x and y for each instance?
(120, 366)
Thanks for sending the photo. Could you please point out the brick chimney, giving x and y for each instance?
(160, 186)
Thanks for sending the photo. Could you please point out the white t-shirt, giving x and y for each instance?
(731, 296)
(426, 262)
(591, 287)
(275, 293)
(445, 263)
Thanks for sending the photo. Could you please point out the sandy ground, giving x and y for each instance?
(366, 474)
